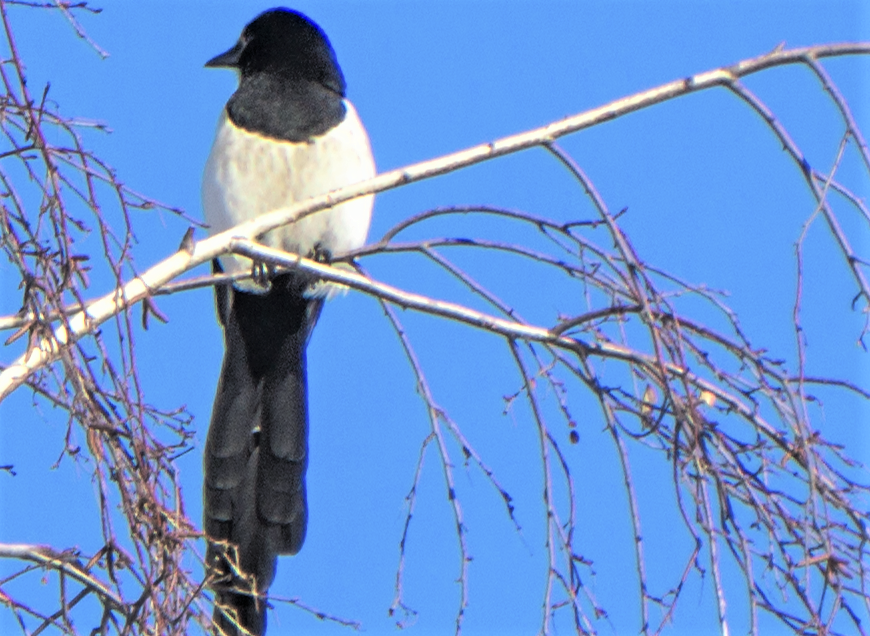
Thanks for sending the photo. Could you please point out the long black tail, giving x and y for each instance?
(257, 447)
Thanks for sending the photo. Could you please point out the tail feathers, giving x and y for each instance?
(239, 614)
(244, 564)
(257, 448)
(284, 446)
(229, 447)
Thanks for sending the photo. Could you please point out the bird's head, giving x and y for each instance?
(287, 44)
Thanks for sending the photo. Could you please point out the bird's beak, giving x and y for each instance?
(229, 59)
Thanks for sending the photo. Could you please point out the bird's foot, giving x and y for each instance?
(261, 275)
(322, 288)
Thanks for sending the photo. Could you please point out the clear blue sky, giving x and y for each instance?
(711, 198)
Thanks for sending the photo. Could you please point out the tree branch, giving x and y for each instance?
(46, 349)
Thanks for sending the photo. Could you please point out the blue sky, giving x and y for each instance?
(710, 198)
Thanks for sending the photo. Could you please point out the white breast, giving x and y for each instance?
(247, 175)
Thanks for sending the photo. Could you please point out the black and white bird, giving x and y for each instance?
(288, 133)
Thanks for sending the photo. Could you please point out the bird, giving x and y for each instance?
(287, 133)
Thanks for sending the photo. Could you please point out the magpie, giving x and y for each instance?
(287, 133)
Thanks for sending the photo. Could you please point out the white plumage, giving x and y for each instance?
(248, 175)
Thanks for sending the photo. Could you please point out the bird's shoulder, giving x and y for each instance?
(296, 111)
(348, 137)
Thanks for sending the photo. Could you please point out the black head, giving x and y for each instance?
(286, 44)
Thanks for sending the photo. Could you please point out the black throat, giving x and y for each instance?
(295, 110)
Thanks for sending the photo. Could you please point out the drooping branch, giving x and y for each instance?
(48, 347)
